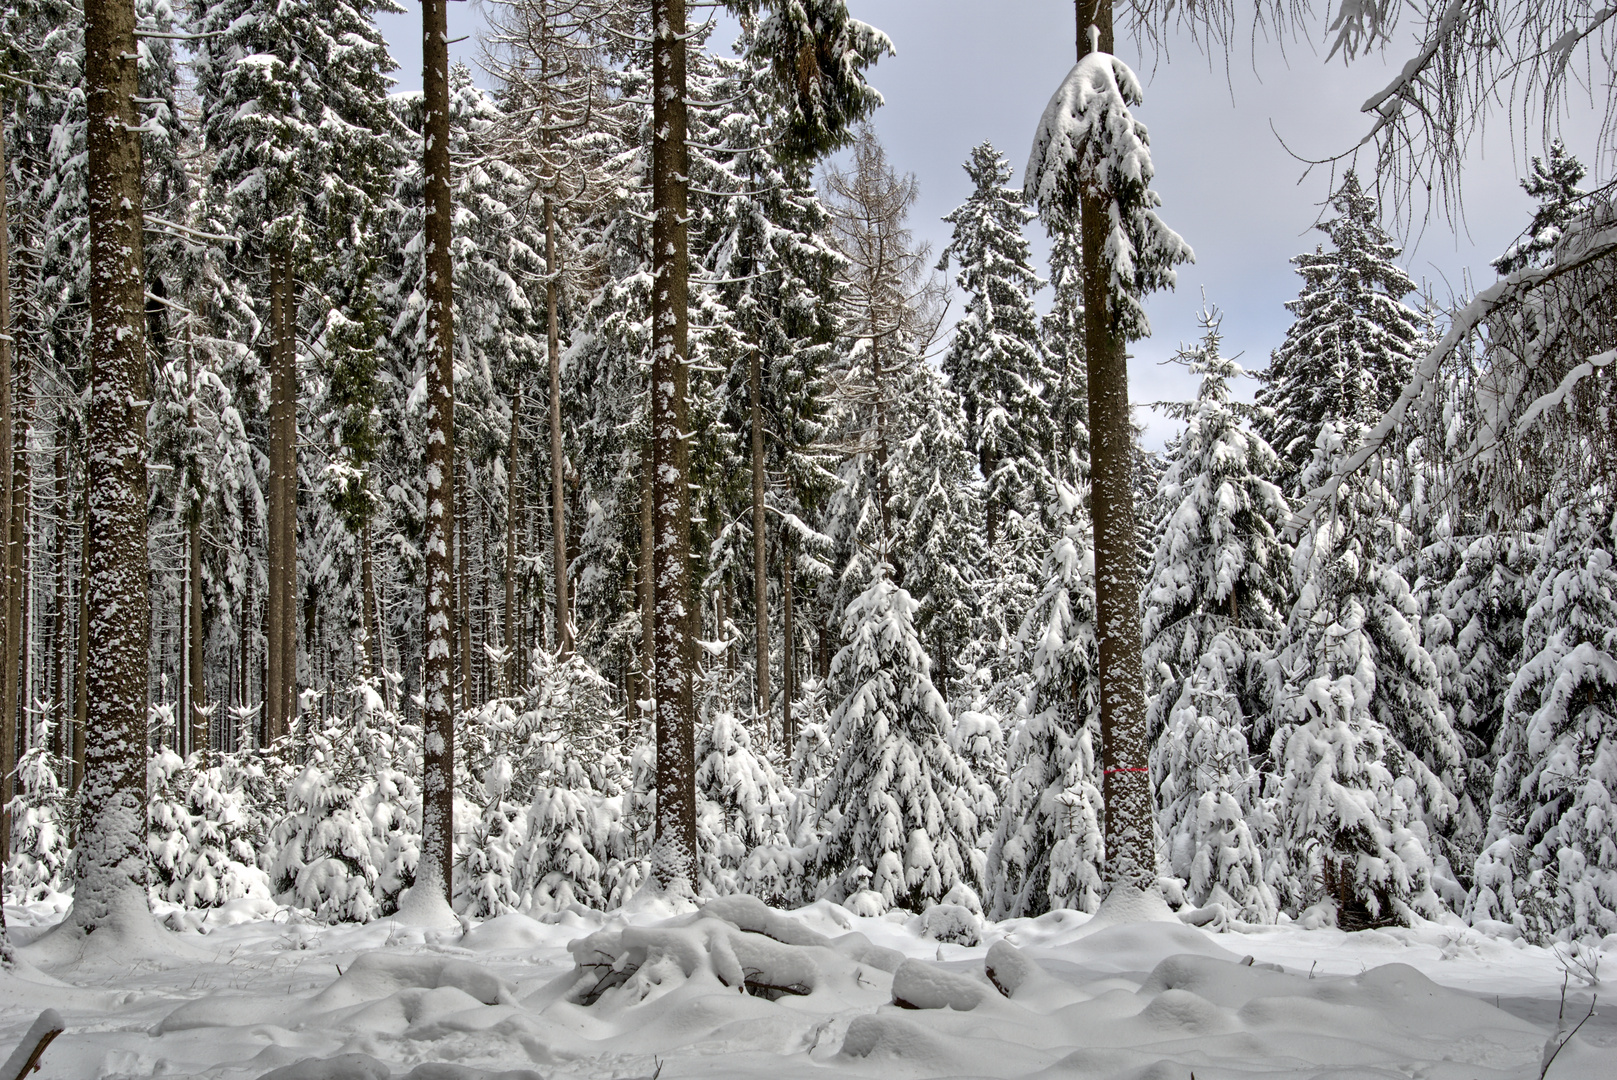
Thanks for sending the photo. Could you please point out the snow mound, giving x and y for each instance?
(509, 931)
(365, 1067)
(919, 985)
(375, 975)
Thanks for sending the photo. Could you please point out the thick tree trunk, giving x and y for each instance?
(674, 852)
(110, 878)
(1130, 854)
(438, 718)
(760, 567)
(8, 626)
(558, 493)
(509, 633)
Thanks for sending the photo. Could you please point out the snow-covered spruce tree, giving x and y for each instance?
(1550, 866)
(1047, 851)
(743, 806)
(1090, 173)
(996, 362)
(200, 838)
(896, 807)
(1061, 332)
(568, 765)
(350, 840)
(486, 860)
(40, 812)
(1362, 748)
(1352, 347)
(1555, 186)
(1213, 609)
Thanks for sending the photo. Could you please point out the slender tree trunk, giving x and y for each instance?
(110, 878)
(369, 622)
(760, 578)
(463, 593)
(558, 510)
(81, 693)
(1130, 854)
(8, 626)
(16, 658)
(788, 724)
(438, 718)
(59, 617)
(196, 691)
(509, 636)
(279, 610)
(648, 589)
(674, 854)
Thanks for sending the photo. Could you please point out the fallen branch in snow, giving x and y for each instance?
(25, 1059)
(1549, 1055)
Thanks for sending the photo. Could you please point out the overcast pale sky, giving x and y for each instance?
(970, 70)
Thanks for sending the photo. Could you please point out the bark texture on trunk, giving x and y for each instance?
(760, 565)
(1126, 787)
(508, 634)
(788, 676)
(438, 719)
(647, 588)
(110, 877)
(8, 626)
(674, 851)
(16, 563)
(280, 616)
(558, 491)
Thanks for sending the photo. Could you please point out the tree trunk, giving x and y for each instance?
(59, 620)
(280, 614)
(16, 658)
(81, 693)
(438, 718)
(509, 635)
(463, 593)
(760, 579)
(674, 854)
(196, 693)
(8, 626)
(1130, 854)
(110, 878)
(558, 509)
(788, 686)
(647, 588)
(371, 623)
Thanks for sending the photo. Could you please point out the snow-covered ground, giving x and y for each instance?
(739, 990)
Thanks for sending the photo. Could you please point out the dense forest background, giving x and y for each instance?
(1379, 606)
